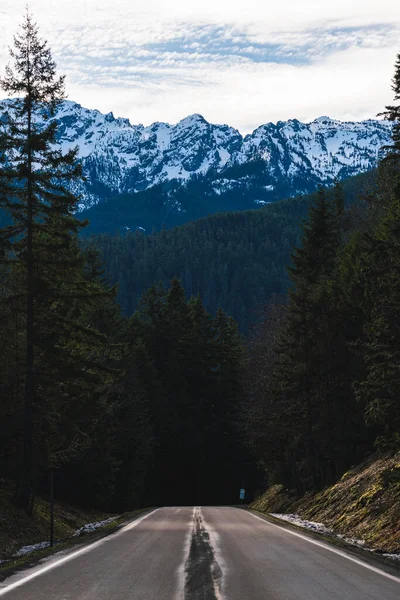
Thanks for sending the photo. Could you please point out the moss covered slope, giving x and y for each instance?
(363, 504)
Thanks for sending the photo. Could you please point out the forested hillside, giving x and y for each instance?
(235, 261)
(323, 381)
(170, 204)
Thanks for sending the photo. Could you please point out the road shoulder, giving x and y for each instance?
(372, 559)
(21, 566)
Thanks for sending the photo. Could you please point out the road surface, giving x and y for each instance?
(204, 553)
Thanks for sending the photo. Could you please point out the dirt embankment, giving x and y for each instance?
(363, 504)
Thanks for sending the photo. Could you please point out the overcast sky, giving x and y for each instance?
(238, 62)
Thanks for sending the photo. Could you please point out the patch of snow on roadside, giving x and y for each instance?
(296, 520)
(392, 556)
(32, 548)
(321, 528)
(351, 540)
(41, 545)
(93, 526)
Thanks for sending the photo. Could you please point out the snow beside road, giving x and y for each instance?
(41, 545)
(31, 548)
(321, 528)
(296, 520)
(93, 526)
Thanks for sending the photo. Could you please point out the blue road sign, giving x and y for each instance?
(242, 493)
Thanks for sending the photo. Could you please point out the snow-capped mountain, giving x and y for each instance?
(275, 160)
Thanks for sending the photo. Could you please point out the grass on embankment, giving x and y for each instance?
(363, 504)
(18, 530)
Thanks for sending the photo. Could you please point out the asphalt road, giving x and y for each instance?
(204, 554)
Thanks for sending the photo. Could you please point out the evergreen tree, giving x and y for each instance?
(262, 410)
(392, 112)
(67, 358)
(133, 428)
(192, 380)
(314, 259)
(299, 367)
(379, 391)
(34, 174)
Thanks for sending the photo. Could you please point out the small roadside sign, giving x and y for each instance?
(242, 493)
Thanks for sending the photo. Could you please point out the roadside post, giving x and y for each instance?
(52, 506)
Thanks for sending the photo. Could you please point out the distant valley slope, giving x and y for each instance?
(164, 175)
(234, 260)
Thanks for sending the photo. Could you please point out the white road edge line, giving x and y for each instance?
(327, 547)
(73, 555)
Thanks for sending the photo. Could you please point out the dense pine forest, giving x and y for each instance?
(123, 376)
(172, 204)
(234, 260)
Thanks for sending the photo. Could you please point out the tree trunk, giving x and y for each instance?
(52, 507)
(25, 496)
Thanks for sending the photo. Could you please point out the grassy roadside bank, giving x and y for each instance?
(17, 530)
(363, 505)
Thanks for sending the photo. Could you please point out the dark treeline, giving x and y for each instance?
(124, 412)
(195, 383)
(169, 433)
(323, 378)
(234, 260)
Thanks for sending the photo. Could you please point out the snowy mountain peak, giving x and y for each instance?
(194, 119)
(323, 119)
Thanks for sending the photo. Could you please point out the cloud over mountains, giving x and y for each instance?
(242, 64)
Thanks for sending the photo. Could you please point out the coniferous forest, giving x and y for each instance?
(234, 260)
(123, 374)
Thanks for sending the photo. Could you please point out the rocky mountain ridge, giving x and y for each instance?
(276, 160)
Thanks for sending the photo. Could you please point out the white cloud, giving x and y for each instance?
(239, 63)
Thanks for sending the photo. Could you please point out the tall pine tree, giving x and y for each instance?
(298, 369)
(65, 355)
(392, 112)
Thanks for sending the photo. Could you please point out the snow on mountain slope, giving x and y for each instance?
(291, 156)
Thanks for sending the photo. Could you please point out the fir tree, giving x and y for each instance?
(34, 176)
(379, 392)
(305, 335)
(392, 112)
(64, 355)
(313, 260)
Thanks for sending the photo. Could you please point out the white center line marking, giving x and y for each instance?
(180, 595)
